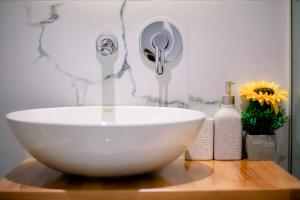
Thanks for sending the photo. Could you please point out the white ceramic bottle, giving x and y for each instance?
(203, 144)
(228, 129)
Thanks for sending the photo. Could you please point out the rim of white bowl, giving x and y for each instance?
(201, 116)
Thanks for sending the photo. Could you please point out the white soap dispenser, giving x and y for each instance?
(228, 129)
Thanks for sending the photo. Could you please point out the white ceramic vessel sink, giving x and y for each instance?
(105, 141)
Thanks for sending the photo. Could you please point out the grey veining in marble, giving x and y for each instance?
(80, 84)
(157, 101)
(201, 100)
(210, 107)
(42, 25)
(125, 65)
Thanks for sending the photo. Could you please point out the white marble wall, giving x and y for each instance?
(48, 56)
(240, 41)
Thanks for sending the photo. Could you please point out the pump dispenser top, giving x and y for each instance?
(228, 99)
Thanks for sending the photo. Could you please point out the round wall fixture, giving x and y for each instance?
(160, 42)
(106, 44)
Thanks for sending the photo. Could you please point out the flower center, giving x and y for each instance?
(269, 91)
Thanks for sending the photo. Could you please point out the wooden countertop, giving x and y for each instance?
(186, 180)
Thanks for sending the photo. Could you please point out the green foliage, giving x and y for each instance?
(257, 119)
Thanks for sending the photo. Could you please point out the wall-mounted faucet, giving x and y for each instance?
(107, 54)
(160, 42)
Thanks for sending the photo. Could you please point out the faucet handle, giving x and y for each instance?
(160, 42)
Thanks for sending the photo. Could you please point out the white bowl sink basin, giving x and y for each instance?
(105, 141)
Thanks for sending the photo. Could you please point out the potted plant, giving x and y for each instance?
(261, 117)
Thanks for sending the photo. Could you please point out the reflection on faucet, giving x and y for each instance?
(106, 45)
(81, 88)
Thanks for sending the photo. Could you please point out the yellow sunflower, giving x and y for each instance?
(264, 92)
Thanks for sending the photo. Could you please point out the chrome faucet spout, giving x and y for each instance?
(106, 45)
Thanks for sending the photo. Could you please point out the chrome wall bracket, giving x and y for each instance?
(161, 43)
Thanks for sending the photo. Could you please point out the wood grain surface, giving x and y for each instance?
(186, 180)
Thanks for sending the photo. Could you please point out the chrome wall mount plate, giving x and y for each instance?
(160, 42)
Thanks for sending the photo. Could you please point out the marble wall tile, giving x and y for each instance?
(68, 44)
(240, 41)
